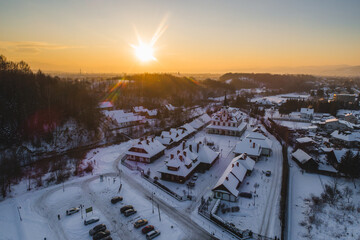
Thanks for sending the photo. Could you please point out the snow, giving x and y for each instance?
(301, 156)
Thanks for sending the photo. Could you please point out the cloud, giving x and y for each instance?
(32, 47)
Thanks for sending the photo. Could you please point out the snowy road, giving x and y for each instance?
(267, 227)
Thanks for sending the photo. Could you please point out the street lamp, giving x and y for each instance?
(18, 208)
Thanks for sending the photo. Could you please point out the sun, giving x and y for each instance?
(144, 52)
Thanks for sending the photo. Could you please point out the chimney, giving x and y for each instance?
(237, 163)
(184, 153)
(147, 141)
(250, 140)
(245, 155)
(197, 147)
(183, 145)
(171, 156)
(253, 145)
(190, 147)
(178, 152)
(227, 178)
(233, 165)
(181, 158)
(153, 139)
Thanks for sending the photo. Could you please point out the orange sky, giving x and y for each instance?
(205, 36)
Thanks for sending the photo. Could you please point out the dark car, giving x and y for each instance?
(268, 173)
(129, 212)
(91, 220)
(245, 194)
(147, 229)
(140, 223)
(97, 228)
(116, 199)
(101, 235)
(124, 208)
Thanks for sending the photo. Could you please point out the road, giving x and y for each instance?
(267, 226)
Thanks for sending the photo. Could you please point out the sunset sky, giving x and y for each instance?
(199, 36)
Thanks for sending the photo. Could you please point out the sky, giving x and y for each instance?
(209, 36)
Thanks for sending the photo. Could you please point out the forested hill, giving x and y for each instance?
(287, 82)
(37, 109)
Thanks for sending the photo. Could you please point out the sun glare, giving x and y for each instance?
(144, 52)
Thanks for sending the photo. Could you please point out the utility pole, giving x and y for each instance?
(63, 186)
(159, 212)
(18, 208)
(81, 207)
(152, 201)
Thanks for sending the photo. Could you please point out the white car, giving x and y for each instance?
(91, 220)
(152, 234)
(72, 211)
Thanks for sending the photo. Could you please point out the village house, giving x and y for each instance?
(346, 138)
(179, 166)
(145, 150)
(227, 186)
(307, 113)
(248, 146)
(304, 160)
(106, 105)
(264, 142)
(336, 124)
(202, 158)
(226, 122)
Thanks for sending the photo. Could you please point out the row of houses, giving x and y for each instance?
(149, 149)
(176, 135)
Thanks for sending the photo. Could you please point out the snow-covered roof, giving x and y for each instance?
(340, 153)
(106, 104)
(309, 111)
(245, 160)
(180, 164)
(170, 107)
(120, 116)
(205, 154)
(232, 176)
(249, 147)
(304, 140)
(260, 139)
(151, 146)
(301, 156)
(347, 137)
(164, 140)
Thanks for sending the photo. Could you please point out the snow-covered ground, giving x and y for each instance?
(334, 223)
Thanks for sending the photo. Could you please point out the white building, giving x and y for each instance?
(248, 146)
(307, 113)
(227, 186)
(227, 122)
(264, 142)
(145, 150)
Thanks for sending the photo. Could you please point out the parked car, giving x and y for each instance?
(116, 199)
(147, 229)
(245, 194)
(195, 177)
(140, 223)
(97, 228)
(72, 211)
(152, 234)
(129, 212)
(107, 238)
(124, 208)
(101, 235)
(268, 173)
(91, 220)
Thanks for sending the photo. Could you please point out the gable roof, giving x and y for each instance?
(150, 145)
(248, 146)
(301, 156)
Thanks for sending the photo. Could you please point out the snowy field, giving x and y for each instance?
(331, 222)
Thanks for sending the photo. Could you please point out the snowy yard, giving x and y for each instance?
(338, 221)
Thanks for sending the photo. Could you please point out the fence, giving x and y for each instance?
(210, 214)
